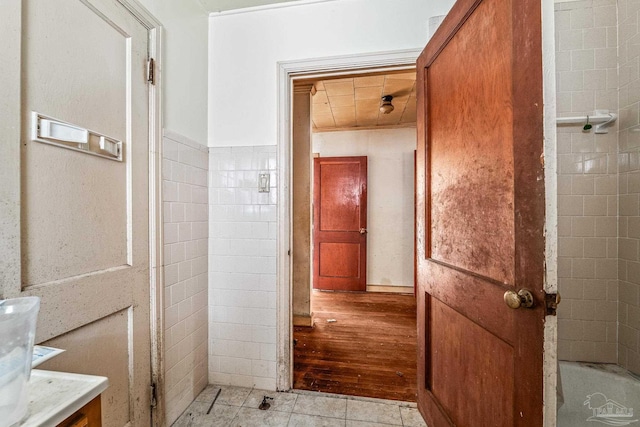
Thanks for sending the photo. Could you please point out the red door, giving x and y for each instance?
(340, 223)
(480, 206)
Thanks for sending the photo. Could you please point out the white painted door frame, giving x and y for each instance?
(288, 73)
(156, 239)
(10, 131)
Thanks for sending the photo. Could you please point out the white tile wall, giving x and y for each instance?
(586, 48)
(629, 184)
(599, 193)
(242, 268)
(185, 204)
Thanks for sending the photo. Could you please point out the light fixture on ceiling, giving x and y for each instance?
(386, 107)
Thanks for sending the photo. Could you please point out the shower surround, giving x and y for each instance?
(598, 183)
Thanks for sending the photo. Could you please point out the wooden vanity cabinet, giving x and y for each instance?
(90, 415)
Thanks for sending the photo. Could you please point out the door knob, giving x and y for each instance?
(363, 231)
(522, 298)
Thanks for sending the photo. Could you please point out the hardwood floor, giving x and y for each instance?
(370, 349)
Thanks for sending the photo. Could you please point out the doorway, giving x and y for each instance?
(334, 329)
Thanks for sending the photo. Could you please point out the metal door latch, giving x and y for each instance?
(551, 302)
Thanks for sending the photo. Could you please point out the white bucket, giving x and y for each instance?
(18, 318)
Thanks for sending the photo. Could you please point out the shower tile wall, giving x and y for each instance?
(185, 204)
(586, 51)
(629, 184)
(242, 268)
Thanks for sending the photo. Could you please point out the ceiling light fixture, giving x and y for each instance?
(386, 107)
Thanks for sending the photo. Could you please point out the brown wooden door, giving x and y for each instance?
(340, 223)
(481, 216)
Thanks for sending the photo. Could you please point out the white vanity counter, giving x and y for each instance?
(54, 396)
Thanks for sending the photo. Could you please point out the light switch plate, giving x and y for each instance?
(263, 183)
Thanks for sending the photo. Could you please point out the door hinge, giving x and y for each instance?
(551, 302)
(154, 395)
(151, 71)
(289, 252)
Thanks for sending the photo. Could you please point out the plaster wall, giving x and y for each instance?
(184, 66)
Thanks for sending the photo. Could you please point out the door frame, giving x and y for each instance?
(550, 367)
(10, 128)
(156, 236)
(288, 73)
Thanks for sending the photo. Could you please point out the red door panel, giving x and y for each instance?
(340, 221)
(339, 259)
(480, 216)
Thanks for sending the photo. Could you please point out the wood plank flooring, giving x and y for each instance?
(370, 349)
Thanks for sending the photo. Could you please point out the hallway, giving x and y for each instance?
(362, 344)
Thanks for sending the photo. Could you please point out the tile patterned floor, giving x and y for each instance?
(238, 407)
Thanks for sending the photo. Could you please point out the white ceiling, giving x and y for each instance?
(222, 5)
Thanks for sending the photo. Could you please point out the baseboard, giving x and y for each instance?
(390, 289)
(306, 321)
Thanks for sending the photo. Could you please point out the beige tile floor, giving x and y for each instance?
(238, 407)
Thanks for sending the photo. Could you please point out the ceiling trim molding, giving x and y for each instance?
(264, 7)
(288, 73)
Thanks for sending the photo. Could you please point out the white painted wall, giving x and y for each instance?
(389, 193)
(184, 65)
(245, 48)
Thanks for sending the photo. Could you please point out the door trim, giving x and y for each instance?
(550, 359)
(288, 72)
(156, 238)
(10, 129)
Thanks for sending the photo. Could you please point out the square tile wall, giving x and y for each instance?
(587, 79)
(242, 267)
(629, 185)
(185, 210)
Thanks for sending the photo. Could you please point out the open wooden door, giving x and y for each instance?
(481, 217)
(340, 223)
